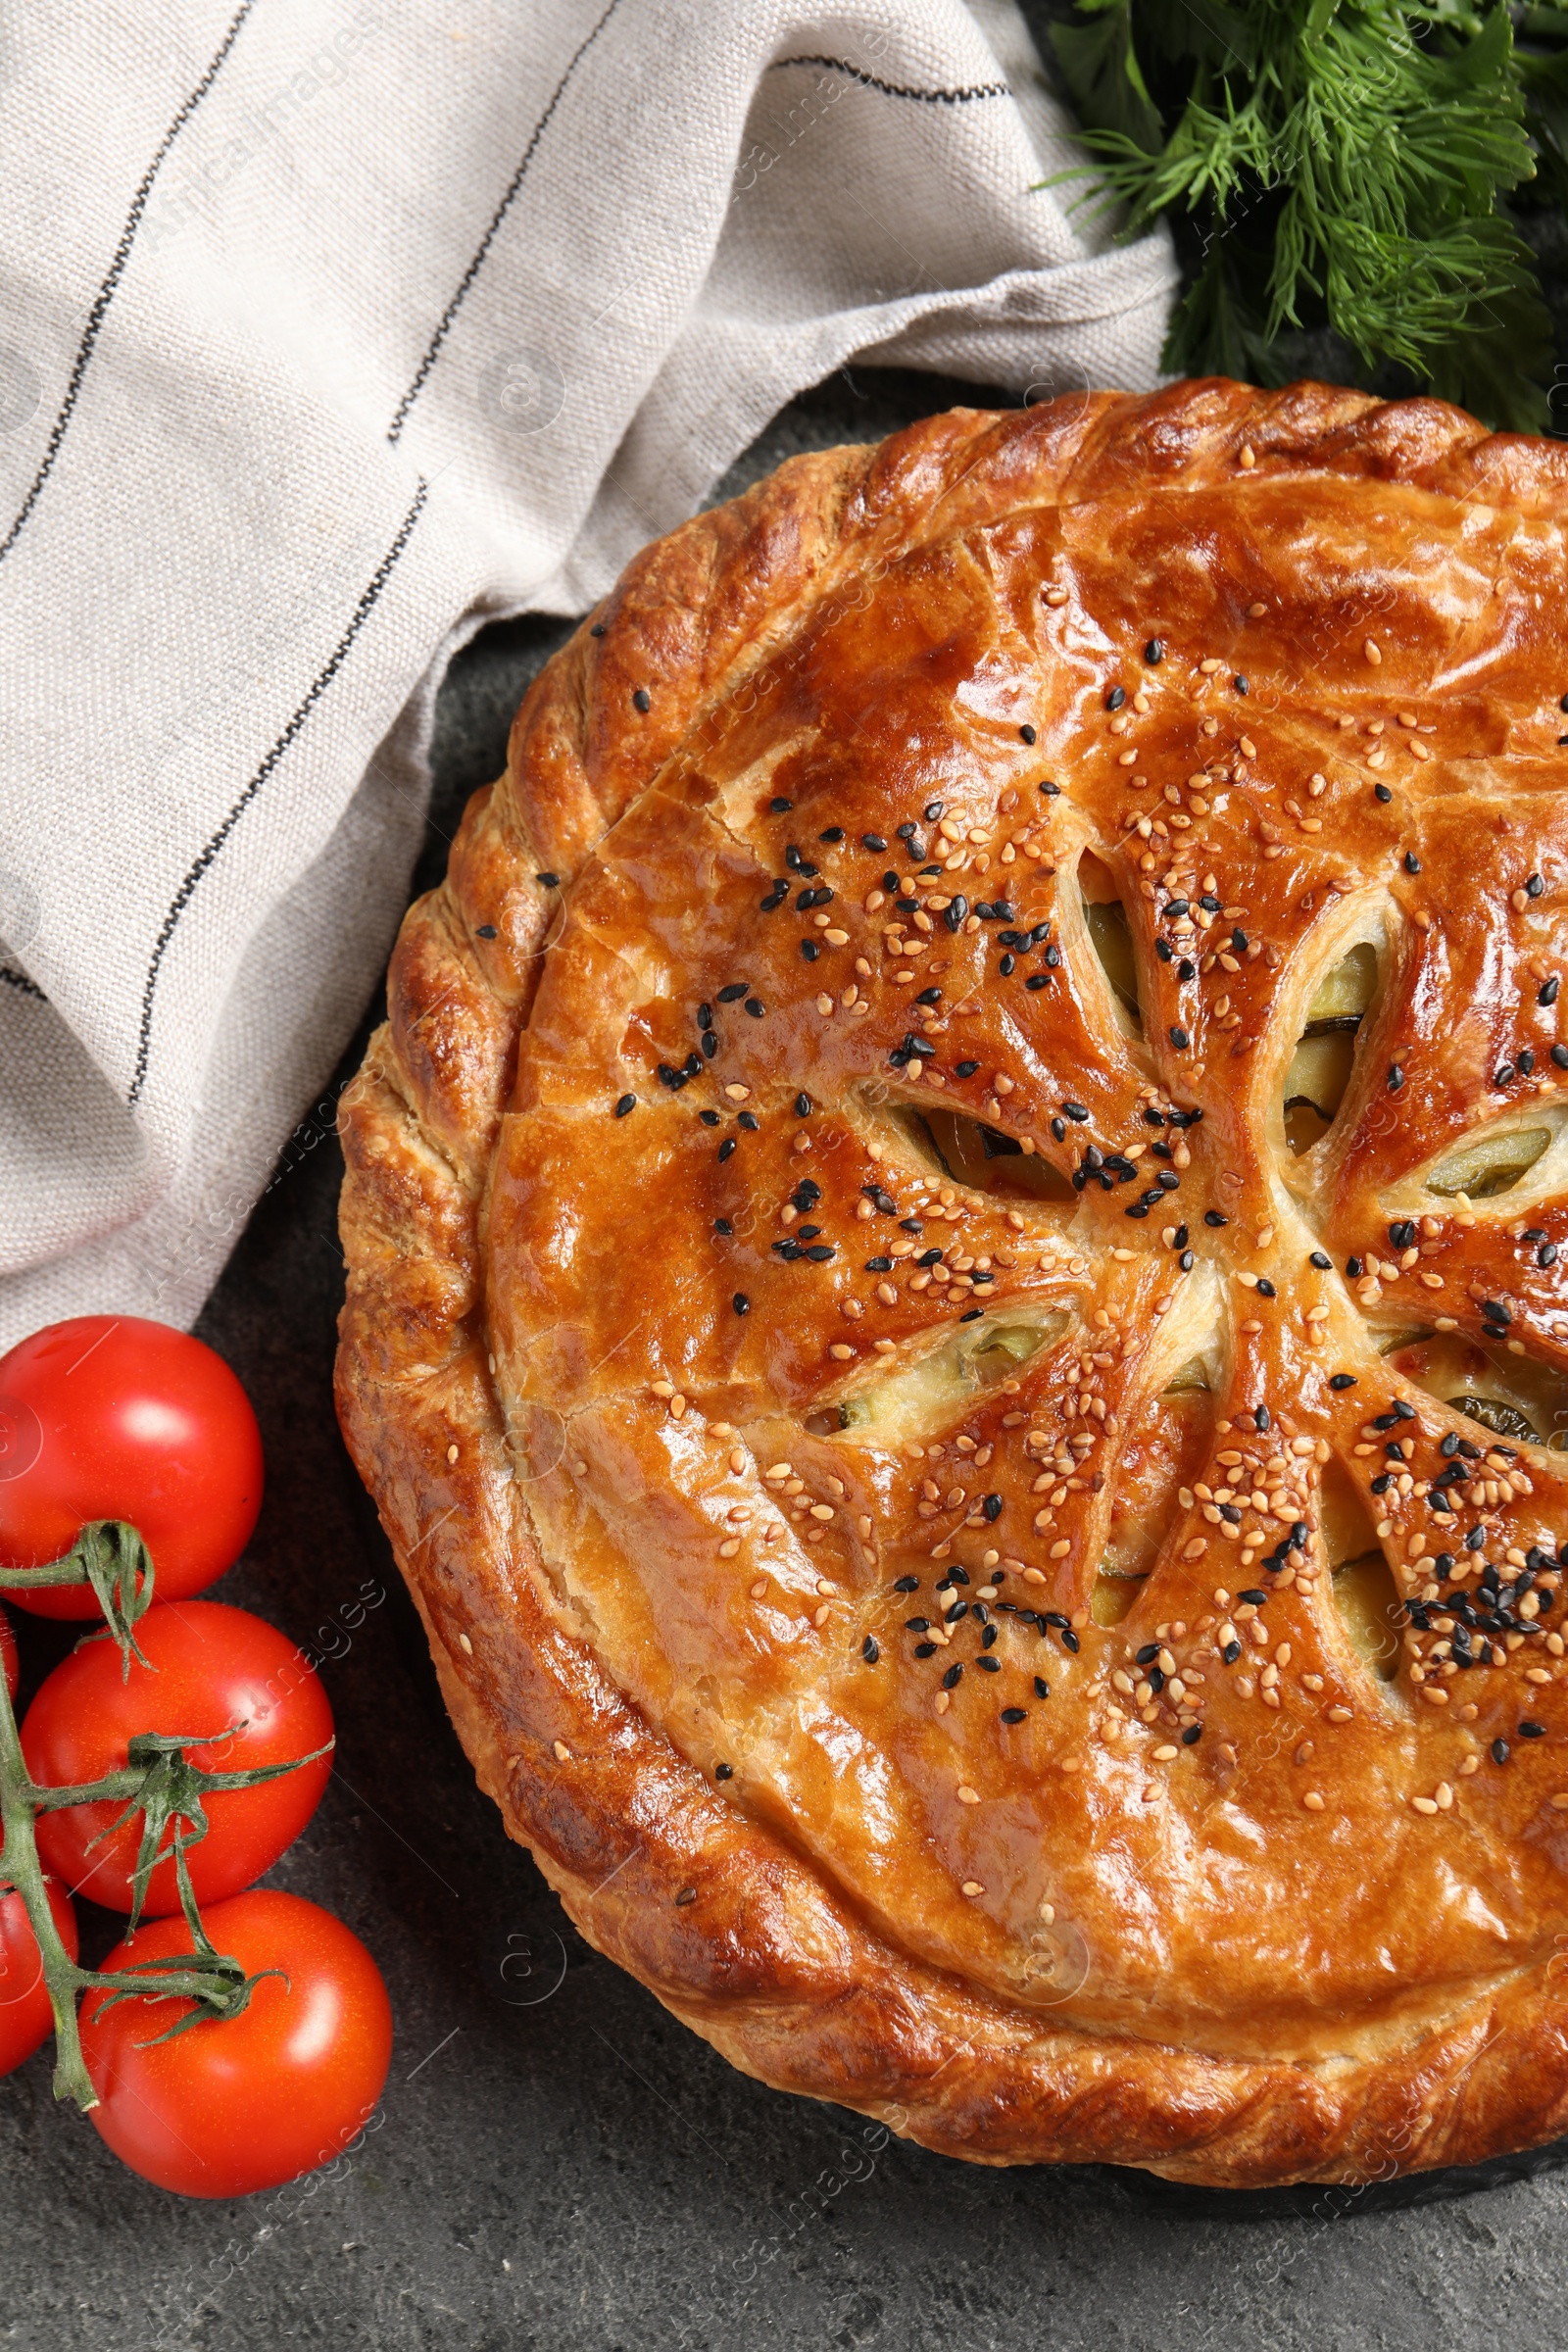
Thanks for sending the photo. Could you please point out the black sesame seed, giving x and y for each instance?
(1212, 1216)
(642, 699)
(779, 806)
(722, 1225)
(741, 1304)
(1501, 1751)
(725, 1149)
(1154, 650)
(1007, 966)
(906, 1583)
(1412, 863)
(1323, 1264)
(756, 1007)
(809, 950)
(1015, 1714)
(1548, 994)
(992, 1507)
(1380, 792)
(1051, 791)
(709, 1119)
(1534, 886)
(1532, 1731)
(1179, 1038)
(870, 1651)
(953, 1676)
(1343, 1379)
(598, 630)
(487, 931)
(1115, 698)
(1042, 1686)
(626, 1103)
(1070, 1640)
(1241, 685)
(1027, 735)
(1265, 1288)
(1525, 1062)
(1503, 1075)
(1231, 1652)
(833, 833)
(1178, 1239)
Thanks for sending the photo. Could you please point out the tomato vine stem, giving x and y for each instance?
(158, 1783)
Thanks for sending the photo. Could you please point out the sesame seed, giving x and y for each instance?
(642, 699)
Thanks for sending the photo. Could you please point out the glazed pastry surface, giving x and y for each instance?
(956, 1307)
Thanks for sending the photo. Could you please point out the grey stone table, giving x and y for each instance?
(559, 2165)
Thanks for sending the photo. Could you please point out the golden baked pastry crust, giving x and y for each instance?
(1227, 1903)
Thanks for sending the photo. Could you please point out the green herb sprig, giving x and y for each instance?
(1340, 164)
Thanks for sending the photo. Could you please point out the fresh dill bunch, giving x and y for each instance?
(1333, 162)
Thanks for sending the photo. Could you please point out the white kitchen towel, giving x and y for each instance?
(328, 333)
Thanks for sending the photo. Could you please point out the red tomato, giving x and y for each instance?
(25, 2017)
(108, 1417)
(243, 2103)
(209, 1666)
(10, 1665)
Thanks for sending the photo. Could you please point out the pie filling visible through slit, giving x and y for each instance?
(956, 1305)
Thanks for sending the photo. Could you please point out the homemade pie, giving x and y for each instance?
(956, 1305)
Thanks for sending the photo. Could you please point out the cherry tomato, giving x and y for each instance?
(25, 2017)
(10, 1665)
(208, 1666)
(109, 1417)
(244, 2103)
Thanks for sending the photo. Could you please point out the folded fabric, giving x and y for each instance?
(328, 335)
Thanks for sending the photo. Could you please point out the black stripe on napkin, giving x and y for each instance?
(433, 351)
(106, 292)
(323, 678)
(25, 986)
(895, 90)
